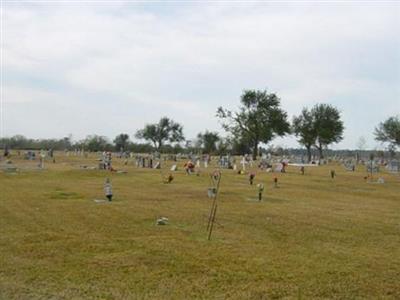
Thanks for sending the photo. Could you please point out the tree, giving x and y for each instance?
(389, 132)
(66, 142)
(240, 146)
(140, 148)
(327, 125)
(96, 143)
(121, 142)
(303, 128)
(258, 120)
(208, 141)
(362, 143)
(224, 146)
(166, 130)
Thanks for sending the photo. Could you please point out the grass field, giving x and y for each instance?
(311, 238)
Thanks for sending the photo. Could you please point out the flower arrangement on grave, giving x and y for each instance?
(215, 175)
(169, 178)
(189, 167)
(252, 175)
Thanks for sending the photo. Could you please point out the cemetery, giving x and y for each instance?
(147, 226)
(189, 149)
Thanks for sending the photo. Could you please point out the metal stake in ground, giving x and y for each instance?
(214, 206)
(215, 179)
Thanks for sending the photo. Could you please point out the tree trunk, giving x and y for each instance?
(321, 154)
(309, 153)
(160, 144)
(255, 150)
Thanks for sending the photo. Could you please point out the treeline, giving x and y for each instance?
(206, 142)
(90, 143)
(216, 146)
(258, 120)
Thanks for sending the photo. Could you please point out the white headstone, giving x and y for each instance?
(279, 167)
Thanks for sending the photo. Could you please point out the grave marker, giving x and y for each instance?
(260, 187)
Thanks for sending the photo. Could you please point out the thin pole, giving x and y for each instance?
(214, 202)
(213, 212)
(371, 169)
(212, 222)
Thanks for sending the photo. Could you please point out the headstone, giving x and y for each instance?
(162, 221)
(372, 167)
(260, 187)
(279, 167)
(349, 166)
(10, 169)
(393, 166)
(243, 162)
(99, 200)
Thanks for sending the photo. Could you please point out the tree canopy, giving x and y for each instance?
(327, 125)
(304, 128)
(208, 141)
(389, 132)
(166, 130)
(121, 142)
(258, 120)
(96, 143)
(318, 127)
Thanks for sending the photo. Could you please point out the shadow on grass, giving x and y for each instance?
(64, 195)
(266, 200)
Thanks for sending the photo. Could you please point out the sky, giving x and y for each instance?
(109, 67)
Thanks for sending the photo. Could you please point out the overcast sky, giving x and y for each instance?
(106, 68)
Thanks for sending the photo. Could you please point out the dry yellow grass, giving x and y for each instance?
(312, 237)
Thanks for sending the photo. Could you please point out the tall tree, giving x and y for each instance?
(166, 130)
(389, 132)
(121, 142)
(208, 141)
(328, 126)
(303, 128)
(259, 119)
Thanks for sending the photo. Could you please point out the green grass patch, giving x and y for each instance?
(311, 238)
